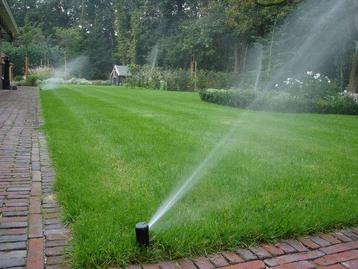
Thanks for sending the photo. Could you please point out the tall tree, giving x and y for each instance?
(69, 39)
(353, 77)
(29, 34)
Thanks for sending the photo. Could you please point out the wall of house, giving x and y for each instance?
(1, 70)
(5, 72)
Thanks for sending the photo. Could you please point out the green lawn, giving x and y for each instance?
(119, 152)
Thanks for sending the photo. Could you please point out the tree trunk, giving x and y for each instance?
(65, 64)
(237, 53)
(246, 48)
(353, 79)
(26, 65)
(269, 65)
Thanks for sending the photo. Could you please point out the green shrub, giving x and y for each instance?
(310, 85)
(282, 101)
(18, 78)
(176, 79)
(311, 93)
(21, 83)
(32, 80)
(235, 98)
(339, 104)
(101, 82)
(211, 79)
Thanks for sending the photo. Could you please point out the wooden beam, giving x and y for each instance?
(7, 20)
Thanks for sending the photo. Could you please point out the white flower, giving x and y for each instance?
(317, 76)
(310, 73)
(276, 85)
(328, 80)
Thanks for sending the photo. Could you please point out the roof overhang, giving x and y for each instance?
(122, 70)
(7, 22)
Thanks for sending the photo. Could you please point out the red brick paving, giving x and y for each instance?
(232, 257)
(328, 251)
(26, 191)
(32, 235)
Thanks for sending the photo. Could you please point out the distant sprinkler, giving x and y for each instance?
(142, 234)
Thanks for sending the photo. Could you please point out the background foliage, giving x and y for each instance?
(217, 34)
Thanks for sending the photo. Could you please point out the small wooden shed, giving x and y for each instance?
(119, 74)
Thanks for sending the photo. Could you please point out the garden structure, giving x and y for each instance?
(119, 74)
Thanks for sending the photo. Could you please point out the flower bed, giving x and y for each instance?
(313, 93)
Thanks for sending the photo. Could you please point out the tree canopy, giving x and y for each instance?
(216, 33)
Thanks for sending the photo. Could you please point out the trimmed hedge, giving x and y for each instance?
(276, 101)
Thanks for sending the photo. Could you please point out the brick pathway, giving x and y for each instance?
(31, 235)
(336, 250)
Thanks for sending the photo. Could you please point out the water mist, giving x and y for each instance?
(259, 66)
(309, 50)
(60, 75)
(153, 56)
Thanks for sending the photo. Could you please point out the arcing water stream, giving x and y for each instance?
(328, 18)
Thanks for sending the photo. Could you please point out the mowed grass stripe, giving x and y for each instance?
(282, 175)
(104, 102)
(234, 114)
(115, 132)
(270, 133)
(150, 109)
(142, 110)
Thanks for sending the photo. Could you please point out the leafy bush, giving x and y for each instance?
(311, 85)
(282, 101)
(236, 98)
(32, 80)
(35, 77)
(312, 93)
(42, 72)
(176, 79)
(21, 83)
(101, 82)
(78, 81)
(53, 82)
(18, 78)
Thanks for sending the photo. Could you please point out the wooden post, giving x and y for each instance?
(11, 72)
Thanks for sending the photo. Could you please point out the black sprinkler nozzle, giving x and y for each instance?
(142, 234)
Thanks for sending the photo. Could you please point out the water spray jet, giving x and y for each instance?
(142, 234)
(308, 51)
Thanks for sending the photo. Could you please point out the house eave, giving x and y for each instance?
(7, 20)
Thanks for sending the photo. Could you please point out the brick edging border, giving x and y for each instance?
(335, 250)
(47, 236)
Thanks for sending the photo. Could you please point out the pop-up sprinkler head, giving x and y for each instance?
(142, 234)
